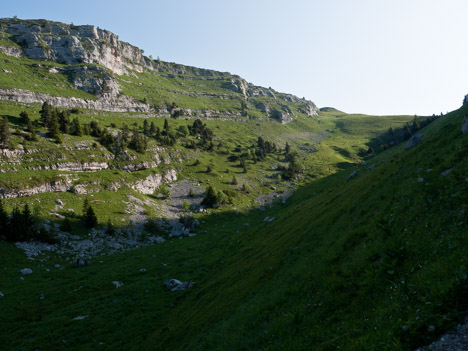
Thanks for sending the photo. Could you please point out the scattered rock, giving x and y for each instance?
(79, 318)
(177, 285)
(269, 219)
(26, 271)
(420, 180)
(444, 173)
(42, 297)
(1, 295)
(117, 284)
(79, 262)
(143, 270)
(456, 340)
(352, 175)
(371, 167)
(21, 278)
(179, 230)
(60, 202)
(405, 328)
(57, 265)
(414, 140)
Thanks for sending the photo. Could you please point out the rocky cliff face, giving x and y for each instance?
(68, 44)
(94, 59)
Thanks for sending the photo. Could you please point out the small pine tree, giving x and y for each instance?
(45, 113)
(85, 206)
(152, 129)
(5, 133)
(66, 225)
(110, 230)
(210, 198)
(76, 128)
(24, 118)
(234, 181)
(90, 218)
(3, 218)
(186, 205)
(191, 193)
(53, 130)
(146, 127)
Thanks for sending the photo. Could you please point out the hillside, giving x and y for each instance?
(325, 230)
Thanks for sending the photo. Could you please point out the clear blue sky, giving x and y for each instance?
(369, 56)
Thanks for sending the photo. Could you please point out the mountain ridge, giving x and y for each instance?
(94, 58)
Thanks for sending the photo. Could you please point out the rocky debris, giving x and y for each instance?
(455, 340)
(79, 262)
(117, 284)
(414, 140)
(465, 124)
(79, 318)
(269, 219)
(352, 175)
(446, 172)
(177, 285)
(26, 271)
(60, 202)
(152, 182)
(96, 243)
(179, 230)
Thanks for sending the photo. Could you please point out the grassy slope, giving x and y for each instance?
(344, 264)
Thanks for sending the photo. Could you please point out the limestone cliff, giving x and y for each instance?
(96, 61)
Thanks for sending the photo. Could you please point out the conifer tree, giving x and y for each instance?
(90, 218)
(210, 198)
(45, 112)
(24, 118)
(145, 127)
(76, 128)
(152, 129)
(53, 127)
(5, 133)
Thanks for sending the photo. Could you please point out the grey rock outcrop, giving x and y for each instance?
(414, 140)
(177, 285)
(94, 57)
(26, 271)
(352, 175)
(71, 45)
(122, 103)
(465, 125)
(152, 182)
(47, 187)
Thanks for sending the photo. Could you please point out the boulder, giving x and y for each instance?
(26, 271)
(269, 219)
(177, 285)
(414, 140)
(117, 284)
(352, 175)
(179, 230)
(1, 295)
